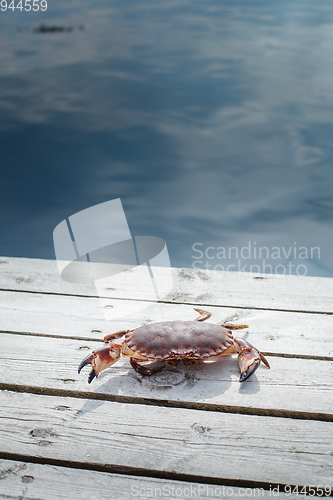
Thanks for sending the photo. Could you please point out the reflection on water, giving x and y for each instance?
(213, 122)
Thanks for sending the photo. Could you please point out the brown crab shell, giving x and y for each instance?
(179, 339)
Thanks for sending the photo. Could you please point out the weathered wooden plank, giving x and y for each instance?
(179, 441)
(269, 291)
(274, 292)
(35, 481)
(38, 275)
(291, 384)
(270, 331)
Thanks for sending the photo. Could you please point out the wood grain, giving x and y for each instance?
(49, 325)
(35, 481)
(178, 441)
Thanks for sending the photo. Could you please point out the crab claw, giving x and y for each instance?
(247, 366)
(249, 359)
(99, 360)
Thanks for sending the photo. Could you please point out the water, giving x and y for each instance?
(212, 121)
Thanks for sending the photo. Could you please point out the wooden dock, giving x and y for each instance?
(184, 432)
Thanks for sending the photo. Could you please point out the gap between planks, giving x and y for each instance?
(156, 474)
(55, 482)
(168, 403)
(149, 301)
(90, 339)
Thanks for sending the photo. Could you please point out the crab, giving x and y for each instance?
(174, 341)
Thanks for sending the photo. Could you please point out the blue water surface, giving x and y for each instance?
(212, 121)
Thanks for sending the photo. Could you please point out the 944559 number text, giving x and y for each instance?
(24, 5)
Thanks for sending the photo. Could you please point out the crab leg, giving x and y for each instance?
(116, 335)
(248, 358)
(203, 315)
(100, 359)
(234, 327)
(145, 370)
